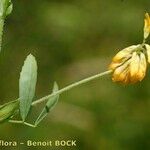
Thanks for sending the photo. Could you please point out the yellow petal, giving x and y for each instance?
(120, 56)
(148, 52)
(142, 67)
(124, 76)
(131, 48)
(120, 72)
(125, 53)
(134, 66)
(114, 65)
(127, 78)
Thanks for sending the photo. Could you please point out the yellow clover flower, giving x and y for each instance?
(130, 64)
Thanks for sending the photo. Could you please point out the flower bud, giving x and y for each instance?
(146, 25)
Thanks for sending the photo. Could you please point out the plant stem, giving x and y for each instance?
(144, 41)
(21, 122)
(71, 86)
(1, 32)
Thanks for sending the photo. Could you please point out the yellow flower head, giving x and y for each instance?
(146, 25)
(130, 64)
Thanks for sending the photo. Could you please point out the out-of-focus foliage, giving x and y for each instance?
(73, 39)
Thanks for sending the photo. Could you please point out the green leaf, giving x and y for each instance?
(51, 103)
(27, 84)
(7, 110)
(5, 8)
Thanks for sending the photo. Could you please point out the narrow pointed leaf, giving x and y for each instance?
(7, 110)
(27, 84)
(51, 103)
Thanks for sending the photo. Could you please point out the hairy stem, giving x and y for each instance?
(67, 88)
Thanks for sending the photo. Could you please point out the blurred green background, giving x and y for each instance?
(71, 40)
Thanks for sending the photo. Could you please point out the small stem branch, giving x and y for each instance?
(71, 86)
(28, 124)
(21, 122)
